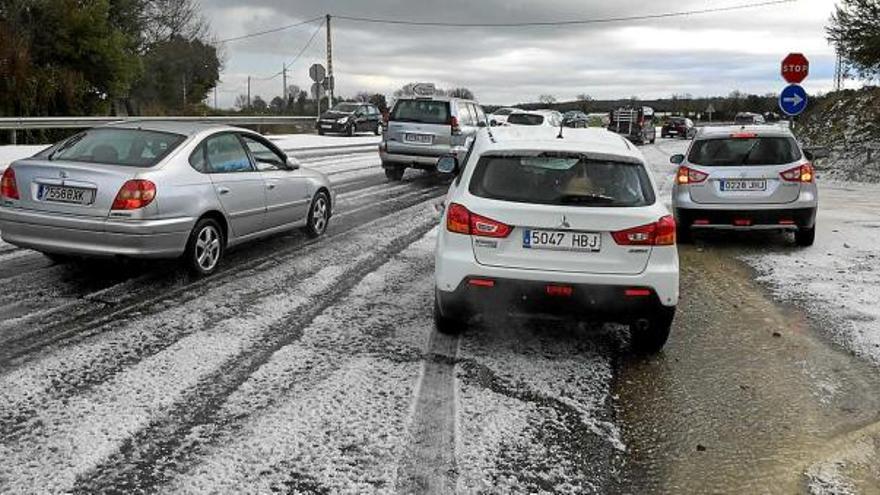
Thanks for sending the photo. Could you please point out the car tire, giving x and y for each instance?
(205, 247)
(683, 233)
(446, 324)
(320, 132)
(649, 335)
(805, 237)
(349, 131)
(378, 130)
(319, 216)
(394, 173)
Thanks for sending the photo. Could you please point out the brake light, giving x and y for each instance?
(385, 117)
(659, 233)
(559, 290)
(687, 175)
(134, 194)
(8, 187)
(802, 173)
(462, 221)
(743, 135)
(453, 122)
(637, 292)
(482, 282)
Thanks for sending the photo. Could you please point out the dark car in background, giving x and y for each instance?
(634, 123)
(680, 127)
(349, 118)
(749, 118)
(576, 118)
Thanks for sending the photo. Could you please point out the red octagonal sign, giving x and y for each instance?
(795, 68)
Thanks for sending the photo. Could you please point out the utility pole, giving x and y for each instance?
(332, 82)
(249, 93)
(838, 72)
(284, 82)
(183, 78)
(215, 98)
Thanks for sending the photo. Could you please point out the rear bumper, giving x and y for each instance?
(331, 126)
(426, 160)
(747, 219)
(64, 234)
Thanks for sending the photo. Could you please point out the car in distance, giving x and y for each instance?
(547, 118)
(749, 118)
(349, 118)
(499, 117)
(421, 129)
(159, 190)
(636, 123)
(576, 119)
(681, 127)
(571, 227)
(746, 178)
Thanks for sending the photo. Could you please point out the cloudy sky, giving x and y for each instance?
(710, 54)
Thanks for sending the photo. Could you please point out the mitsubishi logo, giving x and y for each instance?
(564, 224)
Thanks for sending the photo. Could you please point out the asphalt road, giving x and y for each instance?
(313, 367)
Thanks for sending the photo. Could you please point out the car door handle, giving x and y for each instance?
(223, 190)
(270, 186)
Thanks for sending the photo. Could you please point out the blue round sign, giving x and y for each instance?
(793, 100)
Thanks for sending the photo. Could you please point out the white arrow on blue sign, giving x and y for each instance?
(793, 100)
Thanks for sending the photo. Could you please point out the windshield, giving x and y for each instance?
(423, 111)
(126, 147)
(346, 108)
(744, 151)
(525, 119)
(553, 180)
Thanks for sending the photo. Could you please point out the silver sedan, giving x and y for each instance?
(159, 190)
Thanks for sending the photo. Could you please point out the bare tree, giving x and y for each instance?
(547, 99)
(584, 97)
(167, 19)
(362, 97)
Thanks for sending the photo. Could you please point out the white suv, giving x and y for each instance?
(570, 226)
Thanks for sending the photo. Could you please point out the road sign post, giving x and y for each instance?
(318, 75)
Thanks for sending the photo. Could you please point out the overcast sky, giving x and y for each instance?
(711, 54)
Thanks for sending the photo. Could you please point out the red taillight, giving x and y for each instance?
(637, 292)
(385, 118)
(453, 122)
(134, 194)
(802, 173)
(8, 187)
(744, 135)
(482, 282)
(559, 290)
(687, 175)
(660, 233)
(742, 222)
(462, 221)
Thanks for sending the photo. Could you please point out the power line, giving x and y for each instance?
(270, 31)
(298, 55)
(567, 22)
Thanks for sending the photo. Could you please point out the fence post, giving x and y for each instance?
(13, 137)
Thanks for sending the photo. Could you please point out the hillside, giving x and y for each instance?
(848, 123)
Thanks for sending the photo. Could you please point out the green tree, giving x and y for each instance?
(179, 73)
(855, 30)
(379, 101)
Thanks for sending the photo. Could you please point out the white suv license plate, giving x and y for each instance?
(744, 185)
(64, 194)
(418, 138)
(559, 240)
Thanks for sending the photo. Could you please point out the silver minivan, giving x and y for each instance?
(746, 178)
(421, 129)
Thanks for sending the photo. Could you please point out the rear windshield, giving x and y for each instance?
(561, 180)
(422, 111)
(126, 147)
(676, 120)
(525, 119)
(744, 151)
(504, 111)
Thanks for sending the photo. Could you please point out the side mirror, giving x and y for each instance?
(291, 163)
(447, 165)
(493, 123)
(676, 159)
(481, 123)
(816, 153)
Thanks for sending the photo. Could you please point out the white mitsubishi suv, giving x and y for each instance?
(569, 226)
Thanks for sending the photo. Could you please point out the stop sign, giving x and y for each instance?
(795, 68)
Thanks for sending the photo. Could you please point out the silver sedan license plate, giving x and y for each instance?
(744, 185)
(418, 138)
(66, 194)
(561, 240)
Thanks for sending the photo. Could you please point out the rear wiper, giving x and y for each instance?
(586, 198)
(70, 142)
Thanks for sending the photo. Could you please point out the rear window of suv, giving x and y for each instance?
(525, 119)
(421, 111)
(744, 151)
(561, 180)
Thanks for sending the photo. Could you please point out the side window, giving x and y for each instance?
(225, 154)
(197, 159)
(465, 161)
(481, 115)
(467, 118)
(265, 157)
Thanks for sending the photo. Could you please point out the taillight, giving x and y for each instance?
(453, 122)
(134, 194)
(687, 175)
(659, 233)
(743, 135)
(462, 221)
(385, 117)
(801, 173)
(8, 187)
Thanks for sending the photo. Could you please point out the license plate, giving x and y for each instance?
(325, 126)
(418, 138)
(65, 194)
(744, 185)
(558, 240)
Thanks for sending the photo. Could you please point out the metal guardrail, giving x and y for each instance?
(14, 124)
